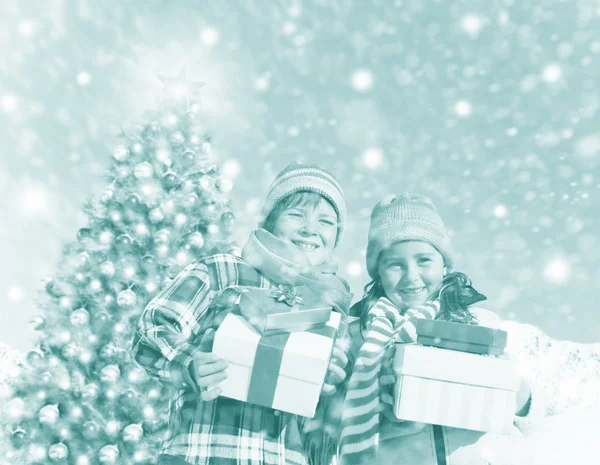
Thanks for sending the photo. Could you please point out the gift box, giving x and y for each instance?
(284, 309)
(460, 336)
(455, 389)
(284, 371)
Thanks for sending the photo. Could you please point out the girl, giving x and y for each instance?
(410, 259)
(304, 216)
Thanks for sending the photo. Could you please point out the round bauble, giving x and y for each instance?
(90, 430)
(156, 215)
(133, 433)
(121, 153)
(143, 170)
(126, 298)
(90, 391)
(58, 452)
(19, 438)
(110, 374)
(109, 454)
(124, 243)
(177, 138)
(170, 180)
(80, 317)
(49, 414)
(37, 323)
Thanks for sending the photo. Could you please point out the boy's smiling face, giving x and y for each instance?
(313, 229)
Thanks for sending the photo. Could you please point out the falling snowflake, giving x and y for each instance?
(362, 80)
(372, 158)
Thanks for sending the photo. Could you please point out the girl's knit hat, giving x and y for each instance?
(299, 177)
(406, 217)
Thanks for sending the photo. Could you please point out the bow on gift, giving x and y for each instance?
(287, 294)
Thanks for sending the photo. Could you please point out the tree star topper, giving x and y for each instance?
(287, 295)
(181, 86)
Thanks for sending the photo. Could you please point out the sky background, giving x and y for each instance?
(489, 108)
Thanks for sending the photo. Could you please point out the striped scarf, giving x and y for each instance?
(360, 422)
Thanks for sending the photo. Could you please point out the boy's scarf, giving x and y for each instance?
(385, 325)
(284, 263)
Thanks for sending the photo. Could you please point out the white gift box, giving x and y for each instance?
(455, 389)
(285, 371)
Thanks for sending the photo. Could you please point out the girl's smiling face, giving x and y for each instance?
(312, 228)
(409, 272)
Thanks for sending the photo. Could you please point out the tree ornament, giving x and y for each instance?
(177, 138)
(84, 234)
(224, 185)
(170, 180)
(102, 319)
(19, 438)
(37, 323)
(82, 260)
(109, 454)
(188, 158)
(49, 414)
(95, 286)
(134, 203)
(121, 153)
(123, 172)
(227, 220)
(58, 452)
(80, 317)
(90, 430)
(126, 298)
(151, 132)
(190, 116)
(149, 263)
(133, 433)
(180, 220)
(107, 195)
(137, 148)
(54, 288)
(110, 374)
(65, 303)
(124, 243)
(190, 201)
(109, 351)
(206, 183)
(90, 391)
(156, 215)
(163, 236)
(196, 240)
(70, 351)
(143, 170)
(45, 378)
(34, 357)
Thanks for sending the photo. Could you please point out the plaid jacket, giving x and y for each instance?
(223, 431)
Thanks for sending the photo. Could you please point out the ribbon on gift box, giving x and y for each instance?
(267, 363)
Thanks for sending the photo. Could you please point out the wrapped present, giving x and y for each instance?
(456, 389)
(459, 336)
(284, 309)
(284, 371)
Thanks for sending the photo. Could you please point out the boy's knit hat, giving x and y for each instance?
(406, 217)
(299, 177)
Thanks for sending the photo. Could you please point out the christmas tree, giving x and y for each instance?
(81, 400)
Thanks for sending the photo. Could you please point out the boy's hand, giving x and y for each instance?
(336, 372)
(209, 370)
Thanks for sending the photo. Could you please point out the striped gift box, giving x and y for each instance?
(455, 389)
(282, 371)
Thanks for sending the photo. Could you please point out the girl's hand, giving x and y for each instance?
(387, 381)
(336, 373)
